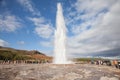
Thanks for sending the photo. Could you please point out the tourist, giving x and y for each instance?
(116, 63)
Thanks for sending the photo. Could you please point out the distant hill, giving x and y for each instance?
(7, 53)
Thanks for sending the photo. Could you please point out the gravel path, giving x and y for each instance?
(58, 72)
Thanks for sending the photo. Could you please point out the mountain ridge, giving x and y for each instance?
(7, 53)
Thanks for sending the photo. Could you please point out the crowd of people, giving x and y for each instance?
(23, 61)
(115, 63)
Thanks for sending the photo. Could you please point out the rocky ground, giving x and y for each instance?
(58, 72)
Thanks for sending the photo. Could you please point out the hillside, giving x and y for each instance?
(7, 53)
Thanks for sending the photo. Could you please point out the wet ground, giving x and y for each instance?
(58, 72)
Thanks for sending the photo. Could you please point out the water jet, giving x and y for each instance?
(60, 38)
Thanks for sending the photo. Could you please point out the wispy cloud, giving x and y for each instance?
(47, 43)
(9, 22)
(44, 31)
(21, 42)
(3, 43)
(37, 20)
(43, 28)
(29, 6)
(103, 19)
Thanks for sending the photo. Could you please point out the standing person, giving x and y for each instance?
(101, 62)
(116, 63)
(97, 62)
(92, 61)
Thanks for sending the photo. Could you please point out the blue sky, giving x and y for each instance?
(93, 25)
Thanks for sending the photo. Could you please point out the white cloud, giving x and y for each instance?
(90, 8)
(47, 43)
(44, 31)
(21, 42)
(29, 6)
(43, 28)
(104, 31)
(3, 43)
(9, 23)
(37, 20)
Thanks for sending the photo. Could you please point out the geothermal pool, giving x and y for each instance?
(58, 72)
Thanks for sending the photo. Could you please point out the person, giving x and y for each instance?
(116, 63)
(97, 62)
(101, 62)
(92, 61)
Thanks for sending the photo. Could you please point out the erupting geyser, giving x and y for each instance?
(60, 38)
